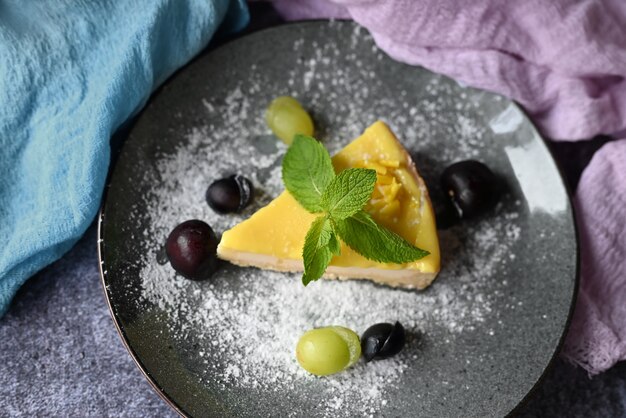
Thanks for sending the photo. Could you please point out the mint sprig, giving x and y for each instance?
(309, 177)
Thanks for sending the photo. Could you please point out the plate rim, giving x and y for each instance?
(574, 296)
(212, 48)
(120, 331)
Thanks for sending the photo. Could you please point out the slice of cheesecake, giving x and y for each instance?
(273, 237)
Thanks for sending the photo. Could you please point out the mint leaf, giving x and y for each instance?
(334, 245)
(348, 192)
(307, 171)
(375, 242)
(320, 244)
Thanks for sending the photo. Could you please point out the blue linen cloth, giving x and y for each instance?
(72, 72)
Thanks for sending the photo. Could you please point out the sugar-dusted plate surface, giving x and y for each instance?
(479, 339)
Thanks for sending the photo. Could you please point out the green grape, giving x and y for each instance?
(286, 118)
(328, 350)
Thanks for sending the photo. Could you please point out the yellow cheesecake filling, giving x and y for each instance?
(274, 235)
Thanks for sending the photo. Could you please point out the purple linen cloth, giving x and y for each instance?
(565, 62)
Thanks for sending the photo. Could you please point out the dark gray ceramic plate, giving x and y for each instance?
(479, 339)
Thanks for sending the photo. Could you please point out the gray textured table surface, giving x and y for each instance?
(60, 355)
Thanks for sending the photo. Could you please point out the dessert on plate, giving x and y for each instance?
(273, 237)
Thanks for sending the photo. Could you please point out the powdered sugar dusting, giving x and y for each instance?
(247, 321)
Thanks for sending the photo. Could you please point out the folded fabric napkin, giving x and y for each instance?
(565, 62)
(71, 72)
